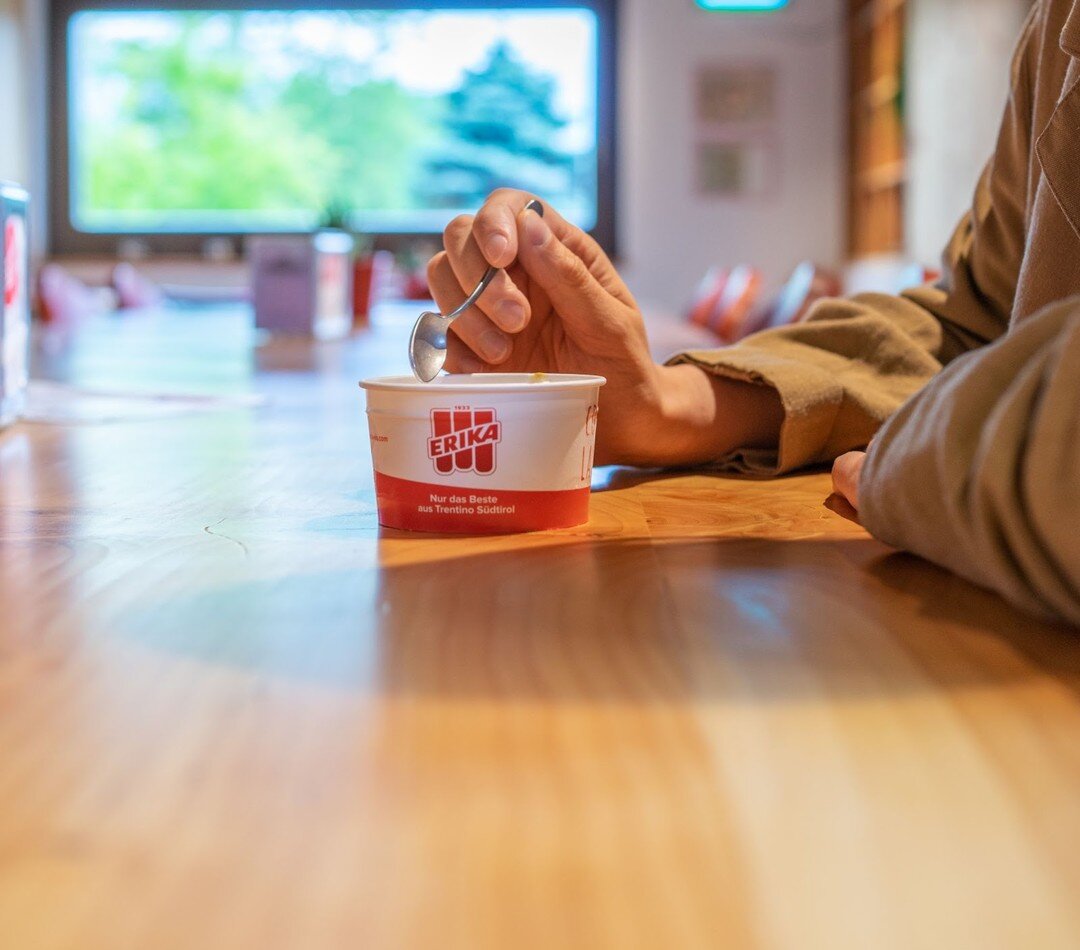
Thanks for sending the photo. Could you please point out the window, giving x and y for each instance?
(193, 120)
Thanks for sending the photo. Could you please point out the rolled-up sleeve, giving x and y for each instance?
(980, 471)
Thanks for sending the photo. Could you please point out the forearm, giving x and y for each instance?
(695, 417)
(839, 374)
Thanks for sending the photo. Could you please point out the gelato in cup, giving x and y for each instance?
(490, 453)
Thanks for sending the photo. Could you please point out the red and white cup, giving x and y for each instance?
(491, 453)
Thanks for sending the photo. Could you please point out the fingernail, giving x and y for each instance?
(496, 246)
(512, 315)
(536, 231)
(495, 346)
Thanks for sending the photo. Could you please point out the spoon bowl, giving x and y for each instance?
(427, 345)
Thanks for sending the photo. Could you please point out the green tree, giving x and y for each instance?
(499, 128)
(197, 130)
(376, 130)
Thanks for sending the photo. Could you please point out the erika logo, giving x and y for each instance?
(463, 439)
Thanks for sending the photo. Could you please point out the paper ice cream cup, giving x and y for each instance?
(490, 453)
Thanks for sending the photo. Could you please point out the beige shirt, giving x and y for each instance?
(972, 385)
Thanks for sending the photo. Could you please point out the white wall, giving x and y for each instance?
(957, 82)
(22, 104)
(14, 159)
(668, 234)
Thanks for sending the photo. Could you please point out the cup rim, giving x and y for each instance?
(484, 383)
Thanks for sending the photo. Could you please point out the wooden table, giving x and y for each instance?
(234, 714)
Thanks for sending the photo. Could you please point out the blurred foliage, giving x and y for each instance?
(500, 124)
(193, 134)
(200, 124)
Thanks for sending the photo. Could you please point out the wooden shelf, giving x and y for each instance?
(883, 177)
(868, 15)
(881, 92)
(877, 150)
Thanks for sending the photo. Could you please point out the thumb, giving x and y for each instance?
(574, 292)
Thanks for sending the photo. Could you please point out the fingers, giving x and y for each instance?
(497, 234)
(583, 303)
(564, 261)
(495, 226)
(503, 302)
(473, 328)
(838, 504)
(846, 473)
(459, 358)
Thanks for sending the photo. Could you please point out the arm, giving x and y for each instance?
(560, 306)
(980, 472)
(852, 363)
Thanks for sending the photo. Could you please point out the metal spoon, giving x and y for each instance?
(427, 344)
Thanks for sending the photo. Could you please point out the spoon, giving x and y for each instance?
(427, 344)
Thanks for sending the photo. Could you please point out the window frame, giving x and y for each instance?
(65, 239)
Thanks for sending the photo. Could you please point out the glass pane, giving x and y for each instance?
(238, 121)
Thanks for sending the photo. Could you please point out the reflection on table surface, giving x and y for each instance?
(236, 713)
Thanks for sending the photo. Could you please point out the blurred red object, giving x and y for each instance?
(416, 285)
(373, 274)
(725, 300)
(736, 304)
(706, 295)
(65, 300)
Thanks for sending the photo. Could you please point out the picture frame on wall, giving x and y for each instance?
(735, 110)
(730, 94)
(734, 169)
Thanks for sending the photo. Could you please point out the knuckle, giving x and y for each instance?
(500, 193)
(573, 268)
(486, 222)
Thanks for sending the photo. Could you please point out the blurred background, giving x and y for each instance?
(712, 150)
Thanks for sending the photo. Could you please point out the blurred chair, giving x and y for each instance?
(728, 303)
(725, 300)
(706, 295)
(808, 284)
(737, 303)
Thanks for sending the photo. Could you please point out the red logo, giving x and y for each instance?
(463, 439)
(13, 252)
(590, 420)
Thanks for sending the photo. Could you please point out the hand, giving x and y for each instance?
(847, 470)
(559, 306)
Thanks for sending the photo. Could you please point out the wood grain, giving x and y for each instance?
(233, 713)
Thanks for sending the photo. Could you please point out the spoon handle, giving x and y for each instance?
(489, 274)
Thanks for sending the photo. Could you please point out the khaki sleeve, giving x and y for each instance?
(844, 370)
(980, 472)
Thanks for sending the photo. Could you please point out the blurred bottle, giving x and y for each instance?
(15, 325)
